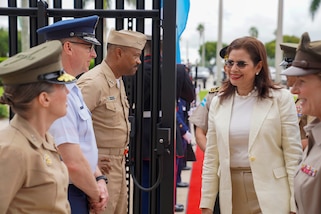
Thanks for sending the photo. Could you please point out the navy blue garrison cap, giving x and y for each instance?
(82, 28)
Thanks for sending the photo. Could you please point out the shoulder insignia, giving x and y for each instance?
(213, 90)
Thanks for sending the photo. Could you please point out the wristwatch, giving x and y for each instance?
(100, 177)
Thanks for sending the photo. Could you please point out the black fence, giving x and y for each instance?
(163, 90)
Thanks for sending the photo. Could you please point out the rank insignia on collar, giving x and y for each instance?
(213, 90)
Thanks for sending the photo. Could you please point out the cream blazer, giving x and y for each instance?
(274, 152)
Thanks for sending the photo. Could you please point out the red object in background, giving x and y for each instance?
(194, 194)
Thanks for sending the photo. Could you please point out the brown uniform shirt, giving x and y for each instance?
(108, 105)
(32, 176)
(307, 181)
(199, 116)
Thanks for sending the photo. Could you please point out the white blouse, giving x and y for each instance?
(240, 128)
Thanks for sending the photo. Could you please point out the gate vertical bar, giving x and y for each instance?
(137, 85)
(154, 167)
(33, 25)
(57, 4)
(119, 21)
(100, 34)
(13, 37)
(42, 8)
(169, 97)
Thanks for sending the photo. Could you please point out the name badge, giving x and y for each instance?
(111, 98)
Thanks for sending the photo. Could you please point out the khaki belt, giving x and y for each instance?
(113, 151)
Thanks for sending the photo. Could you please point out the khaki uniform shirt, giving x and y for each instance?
(33, 178)
(199, 116)
(109, 106)
(307, 181)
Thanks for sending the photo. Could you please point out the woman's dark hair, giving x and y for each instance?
(257, 52)
(19, 97)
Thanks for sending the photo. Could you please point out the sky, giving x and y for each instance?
(238, 17)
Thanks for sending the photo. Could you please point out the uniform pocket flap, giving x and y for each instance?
(279, 172)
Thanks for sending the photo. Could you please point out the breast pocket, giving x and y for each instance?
(113, 113)
(85, 121)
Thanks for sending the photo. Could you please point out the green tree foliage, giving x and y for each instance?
(4, 110)
(254, 32)
(210, 48)
(210, 51)
(314, 6)
(4, 43)
(4, 40)
(270, 46)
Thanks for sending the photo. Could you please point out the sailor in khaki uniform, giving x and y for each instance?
(33, 178)
(104, 93)
(306, 68)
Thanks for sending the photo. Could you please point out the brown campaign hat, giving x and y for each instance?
(40, 63)
(127, 38)
(307, 58)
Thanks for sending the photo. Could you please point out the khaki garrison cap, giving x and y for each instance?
(127, 38)
(307, 58)
(40, 63)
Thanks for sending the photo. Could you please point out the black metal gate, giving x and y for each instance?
(161, 197)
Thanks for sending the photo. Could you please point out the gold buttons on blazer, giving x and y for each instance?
(252, 158)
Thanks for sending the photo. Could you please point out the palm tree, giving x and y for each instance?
(253, 31)
(201, 29)
(315, 4)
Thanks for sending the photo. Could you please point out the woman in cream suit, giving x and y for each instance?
(253, 139)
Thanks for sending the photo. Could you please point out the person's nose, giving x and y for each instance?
(295, 88)
(93, 53)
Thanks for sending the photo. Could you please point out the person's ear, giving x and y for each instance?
(44, 99)
(119, 52)
(66, 46)
(259, 66)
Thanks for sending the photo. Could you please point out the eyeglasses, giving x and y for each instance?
(239, 64)
(91, 47)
